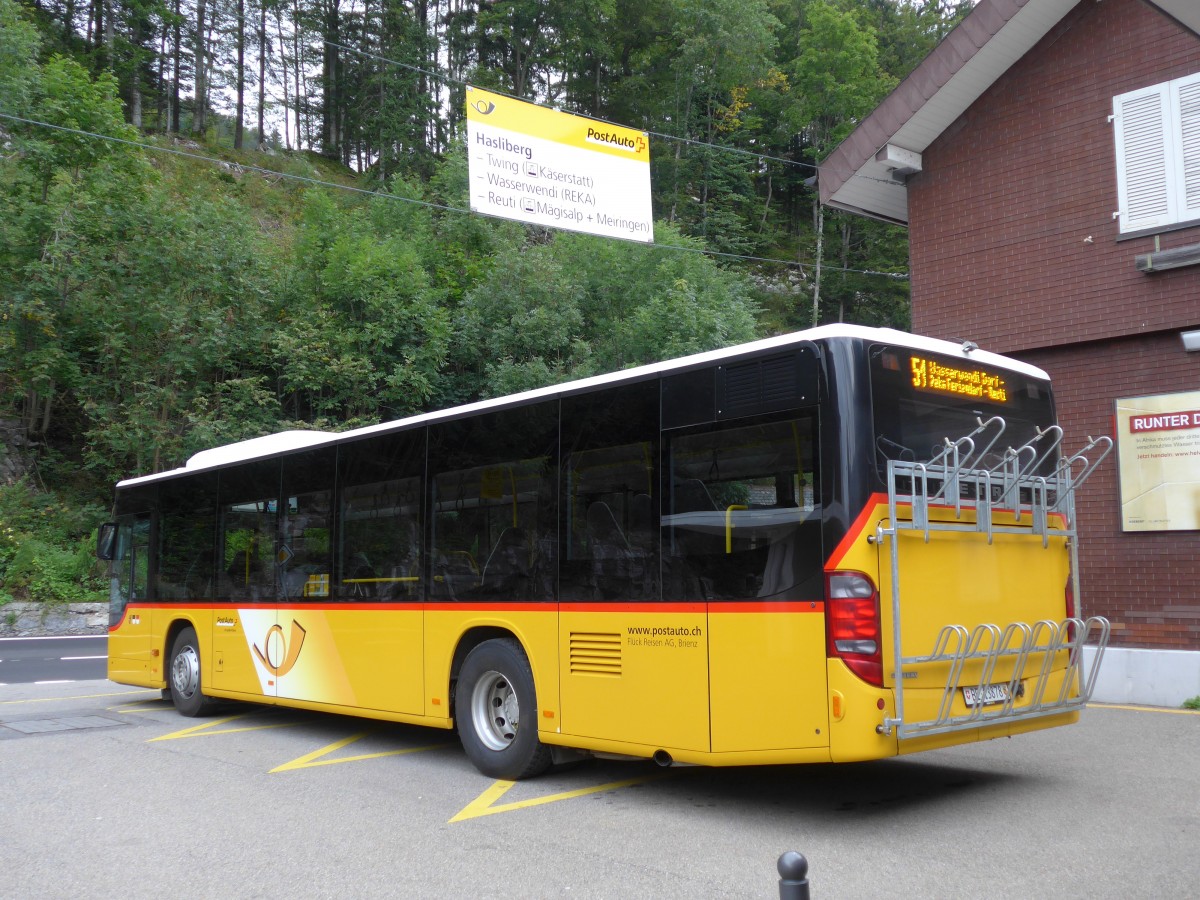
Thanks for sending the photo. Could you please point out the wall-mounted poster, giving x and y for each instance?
(1158, 445)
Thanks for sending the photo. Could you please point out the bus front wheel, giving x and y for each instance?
(496, 710)
(184, 676)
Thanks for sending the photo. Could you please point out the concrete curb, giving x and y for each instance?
(1145, 677)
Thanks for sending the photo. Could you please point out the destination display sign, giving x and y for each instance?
(939, 378)
(545, 167)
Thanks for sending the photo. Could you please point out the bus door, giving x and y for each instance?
(369, 641)
(741, 531)
(311, 640)
(129, 645)
(245, 628)
(633, 669)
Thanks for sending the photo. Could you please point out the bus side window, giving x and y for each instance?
(741, 523)
(249, 505)
(304, 550)
(379, 515)
(186, 531)
(609, 486)
(494, 529)
(380, 546)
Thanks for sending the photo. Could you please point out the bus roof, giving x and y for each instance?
(286, 441)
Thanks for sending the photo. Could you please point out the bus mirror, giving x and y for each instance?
(106, 541)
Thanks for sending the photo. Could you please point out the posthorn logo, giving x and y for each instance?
(279, 654)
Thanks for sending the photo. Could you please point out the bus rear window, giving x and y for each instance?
(921, 400)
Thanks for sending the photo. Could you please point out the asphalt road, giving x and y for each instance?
(45, 659)
(109, 793)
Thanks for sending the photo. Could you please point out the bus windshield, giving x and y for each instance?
(921, 400)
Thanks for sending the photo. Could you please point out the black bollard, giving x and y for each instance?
(793, 876)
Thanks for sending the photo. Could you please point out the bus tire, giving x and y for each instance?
(183, 674)
(496, 710)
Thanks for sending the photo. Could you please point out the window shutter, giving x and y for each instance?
(1186, 93)
(1144, 158)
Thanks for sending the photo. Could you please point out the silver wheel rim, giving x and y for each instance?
(185, 673)
(495, 711)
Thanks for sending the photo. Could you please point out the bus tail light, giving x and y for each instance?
(853, 625)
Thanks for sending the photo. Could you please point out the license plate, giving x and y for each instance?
(992, 693)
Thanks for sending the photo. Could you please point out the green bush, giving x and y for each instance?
(51, 574)
(25, 510)
(1193, 703)
(47, 547)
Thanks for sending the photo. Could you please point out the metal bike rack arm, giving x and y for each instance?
(1034, 649)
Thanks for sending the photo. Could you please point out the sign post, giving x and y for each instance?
(551, 168)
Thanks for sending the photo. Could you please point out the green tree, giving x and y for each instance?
(36, 221)
(836, 77)
(837, 81)
(150, 307)
(578, 305)
(19, 43)
(160, 301)
(361, 331)
(525, 322)
(719, 46)
(81, 107)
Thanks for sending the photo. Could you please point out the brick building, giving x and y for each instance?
(1046, 160)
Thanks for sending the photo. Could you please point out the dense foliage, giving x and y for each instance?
(161, 293)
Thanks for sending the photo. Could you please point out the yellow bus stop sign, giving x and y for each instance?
(545, 167)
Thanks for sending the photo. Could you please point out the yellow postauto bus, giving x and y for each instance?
(841, 544)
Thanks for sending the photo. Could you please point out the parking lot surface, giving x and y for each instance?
(108, 792)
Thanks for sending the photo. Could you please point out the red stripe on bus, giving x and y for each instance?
(234, 604)
(453, 605)
(768, 606)
(357, 604)
(855, 530)
(333, 606)
(635, 607)
(731, 606)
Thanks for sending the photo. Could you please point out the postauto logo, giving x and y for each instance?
(279, 654)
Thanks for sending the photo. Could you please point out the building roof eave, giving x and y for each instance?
(968, 61)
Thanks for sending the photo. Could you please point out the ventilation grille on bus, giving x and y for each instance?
(595, 654)
(763, 385)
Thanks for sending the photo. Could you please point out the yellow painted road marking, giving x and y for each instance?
(210, 728)
(485, 804)
(314, 759)
(139, 706)
(1157, 709)
(76, 697)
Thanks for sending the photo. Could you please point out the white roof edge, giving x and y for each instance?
(942, 86)
(260, 446)
(285, 441)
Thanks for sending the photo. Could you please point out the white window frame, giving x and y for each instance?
(1157, 132)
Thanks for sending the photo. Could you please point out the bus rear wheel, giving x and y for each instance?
(183, 676)
(495, 690)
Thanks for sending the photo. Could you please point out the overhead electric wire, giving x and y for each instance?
(449, 79)
(213, 159)
(425, 203)
(659, 134)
